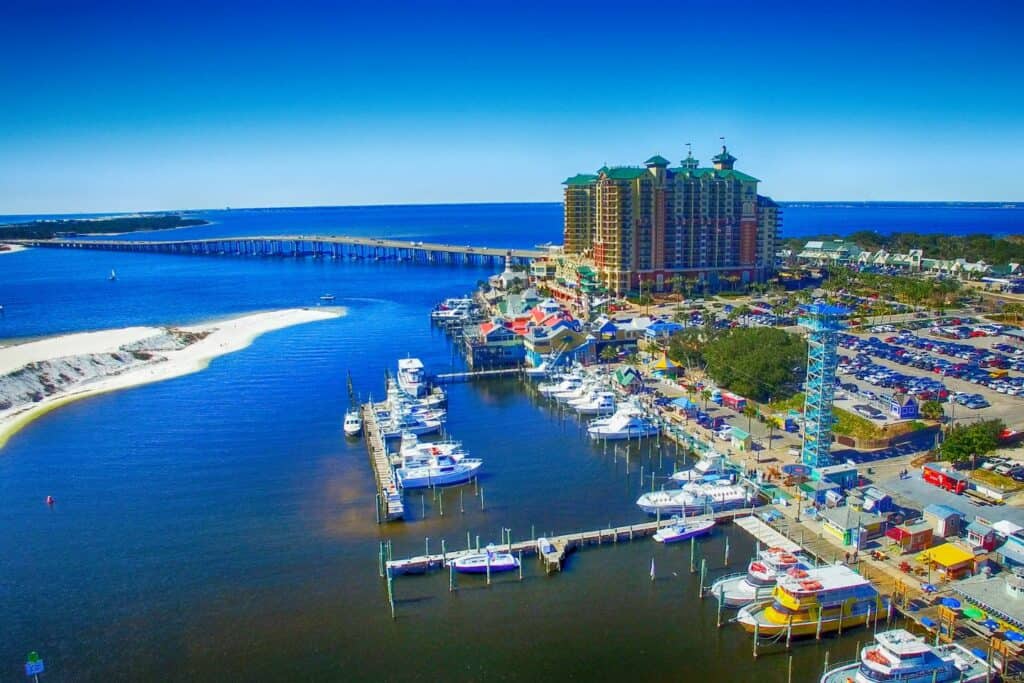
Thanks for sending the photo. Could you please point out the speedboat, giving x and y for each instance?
(480, 563)
(574, 394)
(326, 297)
(900, 656)
(759, 581)
(353, 423)
(411, 377)
(681, 531)
(625, 424)
(819, 600)
(694, 498)
(437, 470)
(397, 424)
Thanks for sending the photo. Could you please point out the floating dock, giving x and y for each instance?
(390, 505)
(563, 544)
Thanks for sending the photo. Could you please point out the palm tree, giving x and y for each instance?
(750, 412)
(609, 354)
(706, 395)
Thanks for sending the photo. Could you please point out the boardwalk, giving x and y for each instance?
(570, 542)
(389, 497)
(315, 246)
(452, 377)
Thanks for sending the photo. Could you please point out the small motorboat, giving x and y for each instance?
(353, 423)
(326, 297)
(113, 275)
(680, 531)
(479, 563)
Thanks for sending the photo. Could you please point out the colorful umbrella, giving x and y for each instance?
(991, 624)
(1014, 637)
(927, 622)
(951, 603)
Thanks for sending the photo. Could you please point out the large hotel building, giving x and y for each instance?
(653, 224)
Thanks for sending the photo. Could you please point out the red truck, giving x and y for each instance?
(954, 482)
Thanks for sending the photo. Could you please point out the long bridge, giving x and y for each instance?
(299, 246)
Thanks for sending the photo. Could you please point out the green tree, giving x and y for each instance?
(932, 410)
(964, 441)
(749, 412)
(705, 394)
(756, 362)
(609, 354)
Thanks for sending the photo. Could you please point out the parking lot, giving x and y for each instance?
(983, 371)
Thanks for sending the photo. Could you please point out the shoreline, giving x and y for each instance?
(222, 337)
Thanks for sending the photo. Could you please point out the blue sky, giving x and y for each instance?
(162, 105)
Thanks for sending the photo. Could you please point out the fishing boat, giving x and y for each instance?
(559, 385)
(624, 424)
(326, 297)
(763, 572)
(411, 377)
(682, 531)
(412, 447)
(695, 498)
(712, 463)
(353, 423)
(818, 600)
(436, 470)
(480, 563)
(396, 424)
(902, 657)
(597, 403)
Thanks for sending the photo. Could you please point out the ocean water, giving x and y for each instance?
(220, 527)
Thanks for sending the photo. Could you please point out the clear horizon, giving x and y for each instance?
(135, 108)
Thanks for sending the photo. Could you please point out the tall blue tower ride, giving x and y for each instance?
(825, 322)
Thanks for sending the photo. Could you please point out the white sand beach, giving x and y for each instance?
(91, 363)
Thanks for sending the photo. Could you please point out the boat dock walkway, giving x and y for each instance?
(767, 535)
(389, 497)
(452, 377)
(563, 544)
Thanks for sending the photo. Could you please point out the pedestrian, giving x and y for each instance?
(847, 558)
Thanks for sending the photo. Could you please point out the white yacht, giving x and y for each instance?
(398, 423)
(763, 572)
(597, 403)
(411, 377)
(627, 423)
(412, 448)
(537, 371)
(353, 423)
(694, 498)
(712, 464)
(437, 470)
(574, 394)
(901, 657)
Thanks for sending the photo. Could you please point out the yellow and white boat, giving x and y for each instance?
(812, 601)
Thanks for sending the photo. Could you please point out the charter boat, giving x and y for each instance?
(819, 600)
(412, 448)
(902, 657)
(564, 384)
(695, 498)
(682, 531)
(353, 423)
(411, 378)
(759, 581)
(712, 464)
(396, 424)
(574, 394)
(598, 403)
(436, 470)
(624, 424)
(489, 560)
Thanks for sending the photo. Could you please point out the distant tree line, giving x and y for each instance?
(980, 247)
(46, 229)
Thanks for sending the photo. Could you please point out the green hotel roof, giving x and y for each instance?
(580, 179)
(625, 172)
(657, 160)
(727, 174)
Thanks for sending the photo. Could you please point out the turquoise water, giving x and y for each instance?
(219, 527)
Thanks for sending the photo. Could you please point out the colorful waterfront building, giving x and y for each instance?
(651, 227)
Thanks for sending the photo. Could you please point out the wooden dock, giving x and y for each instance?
(452, 377)
(390, 505)
(767, 535)
(564, 544)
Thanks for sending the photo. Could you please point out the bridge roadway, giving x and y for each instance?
(317, 246)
